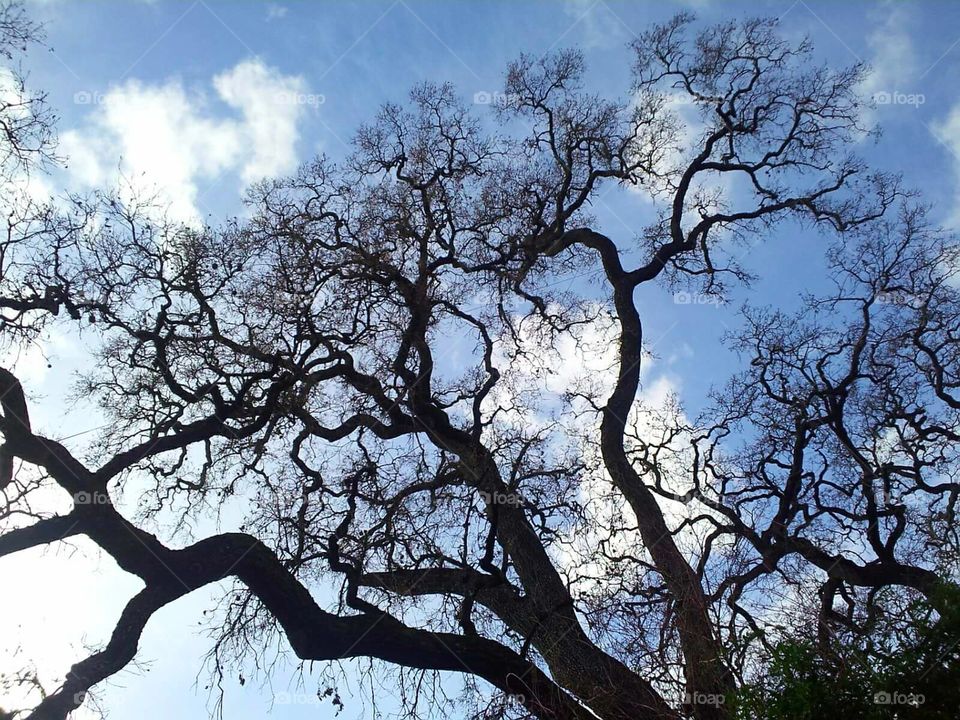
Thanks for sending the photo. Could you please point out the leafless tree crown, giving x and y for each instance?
(359, 362)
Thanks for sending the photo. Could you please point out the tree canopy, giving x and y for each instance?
(600, 556)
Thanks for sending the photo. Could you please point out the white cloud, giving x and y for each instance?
(158, 137)
(586, 360)
(170, 139)
(713, 190)
(271, 105)
(57, 611)
(947, 131)
(276, 12)
(21, 185)
(597, 23)
(691, 129)
(893, 58)
(549, 365)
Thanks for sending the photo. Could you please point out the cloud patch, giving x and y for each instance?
(893, 64)
(947, 131)
(173, 141)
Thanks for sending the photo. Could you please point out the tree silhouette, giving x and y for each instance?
(599, 558)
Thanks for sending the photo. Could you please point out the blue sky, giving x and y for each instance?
(320, 69)
(198, 99)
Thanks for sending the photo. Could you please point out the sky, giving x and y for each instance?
(197, 100)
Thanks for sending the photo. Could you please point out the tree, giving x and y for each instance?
(298, 360)
(804, 680)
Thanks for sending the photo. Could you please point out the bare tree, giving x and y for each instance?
(301, 360)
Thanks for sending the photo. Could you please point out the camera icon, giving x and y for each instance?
(482, 98)
(882, 98)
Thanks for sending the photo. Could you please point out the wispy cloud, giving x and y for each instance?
(167, 138)
(894, 64)
(276, 12)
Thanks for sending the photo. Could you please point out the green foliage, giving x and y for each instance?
(911, 673)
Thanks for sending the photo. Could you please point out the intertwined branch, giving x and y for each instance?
(354, 362)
